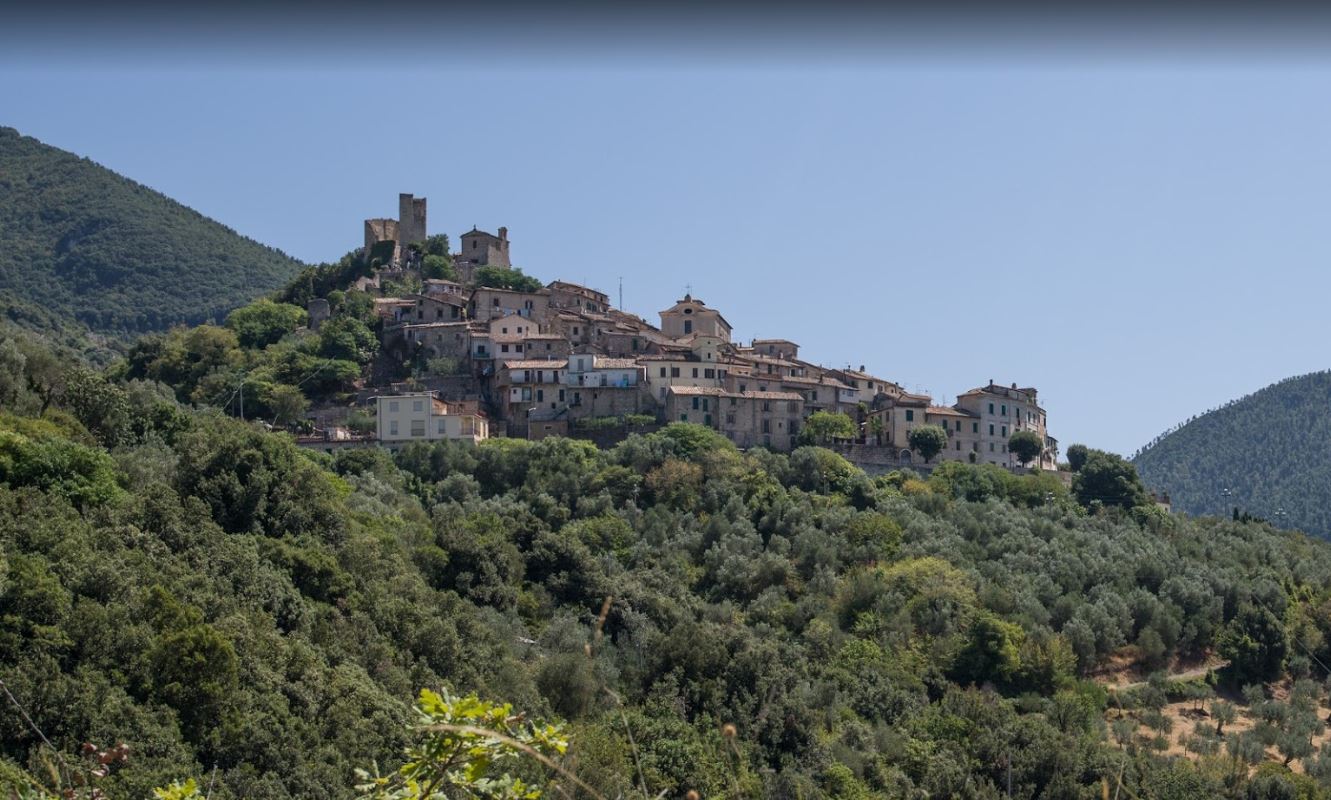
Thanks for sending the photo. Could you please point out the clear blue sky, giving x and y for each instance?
(1141, 237)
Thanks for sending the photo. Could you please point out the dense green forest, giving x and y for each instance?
(259, 619)
(93, 248)
(1271, 450)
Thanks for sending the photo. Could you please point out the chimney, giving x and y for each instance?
(861, 368)
(1014, 384)
(503, 234)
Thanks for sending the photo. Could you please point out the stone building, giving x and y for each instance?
(1002, 411)
(866, 386)
(704, 363)
(486, 304)
(524, 387)
(434, 339)
(600, 386)
(436, 308)
(775, 348)
(749, 419)
(424, 417)
(481, 249)
(570, 295)
(693, 316)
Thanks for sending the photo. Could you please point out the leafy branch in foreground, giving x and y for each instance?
(468, 744)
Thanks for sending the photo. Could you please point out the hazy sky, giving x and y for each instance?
(1141, 235)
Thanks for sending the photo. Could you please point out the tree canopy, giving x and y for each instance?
(670, 615)
(100, 250)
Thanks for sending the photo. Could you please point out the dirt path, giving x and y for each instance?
(1174, 677)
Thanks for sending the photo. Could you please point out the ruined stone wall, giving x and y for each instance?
(379, 230)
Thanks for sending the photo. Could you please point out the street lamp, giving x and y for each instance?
(1227, 494)
(1281, 515)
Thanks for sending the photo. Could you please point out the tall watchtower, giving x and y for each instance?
(410, 219)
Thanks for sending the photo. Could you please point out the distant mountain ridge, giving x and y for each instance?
(1271, 450)
(79, 242)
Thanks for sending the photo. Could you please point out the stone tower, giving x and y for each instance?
(410, 219)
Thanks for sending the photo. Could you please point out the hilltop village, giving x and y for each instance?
(527, 360)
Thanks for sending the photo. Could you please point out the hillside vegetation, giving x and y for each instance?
(260, 618)
(1271, 449)
(83, 244)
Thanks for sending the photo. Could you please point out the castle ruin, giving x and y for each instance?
(385, 238)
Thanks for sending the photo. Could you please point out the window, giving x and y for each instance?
(674, 372)
(540, 395)
(663, 372)
(975, 427)
(741, 388)
(418, 427)
(991, 447)
(734, 401)
(440, 427)
(392, 406)
(707, 420)
(695, 372)
(561, 395)
(503, 348)
(958, 445)
(503, 330)
(958, 426)
(991, 408)
(417, 405)
(705, 403)
(730, 419)
(815, 396)
(910, 415)
(688, 326)
(496, 302)
(767, 406)
(695, 403)
(1005, 430)
(767, 426)
(991, 430)
(709, 373)
(1005, 410)
(792, 406)
(683, 417)
(392, 428)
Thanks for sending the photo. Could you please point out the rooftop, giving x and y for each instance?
(715, 391)
(536, 363)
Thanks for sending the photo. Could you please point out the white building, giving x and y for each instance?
(424, 417)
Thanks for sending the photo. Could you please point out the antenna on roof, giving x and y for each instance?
(621, 292)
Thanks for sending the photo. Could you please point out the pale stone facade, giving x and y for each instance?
(691, 315)
(424, 417)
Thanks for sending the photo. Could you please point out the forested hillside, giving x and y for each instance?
(1271, 450)
(81, 243)
(260, 617)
